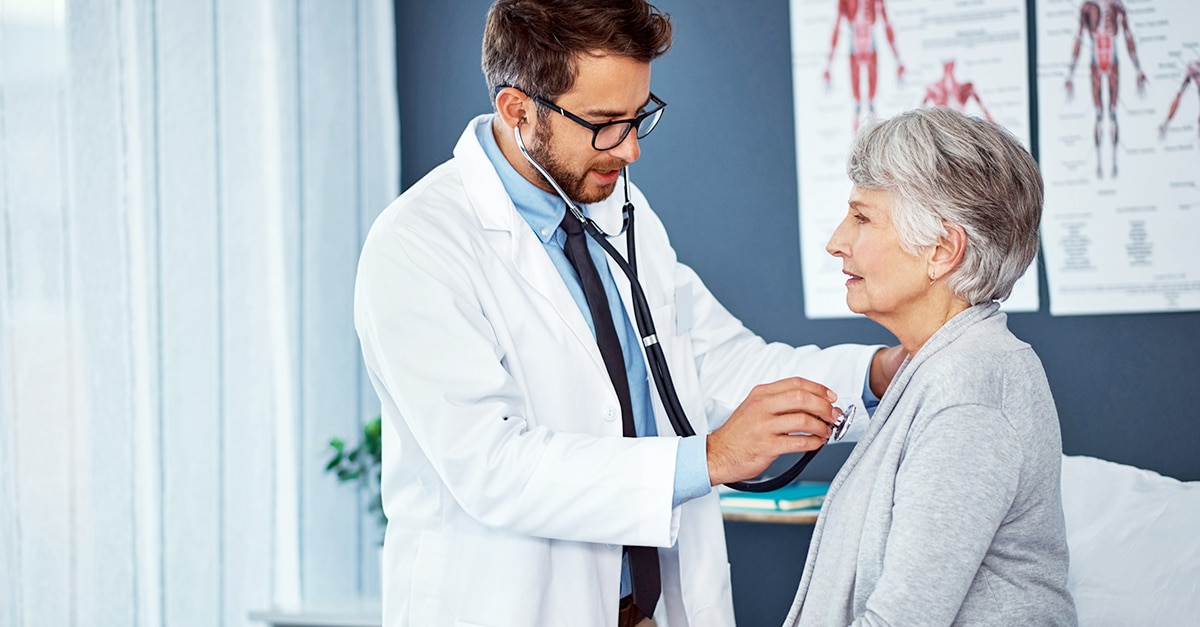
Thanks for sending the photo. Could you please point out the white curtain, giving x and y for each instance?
(185, 185)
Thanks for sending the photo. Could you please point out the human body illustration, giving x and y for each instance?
(1104, 20)
(860, 17)
(947, 91)
(1190, 75)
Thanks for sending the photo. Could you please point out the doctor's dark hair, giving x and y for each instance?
(943, 167)
(533, 45)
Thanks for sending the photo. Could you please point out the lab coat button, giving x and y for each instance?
(610, 413)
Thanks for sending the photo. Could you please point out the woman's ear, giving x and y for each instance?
(512, 106)
(948, 253)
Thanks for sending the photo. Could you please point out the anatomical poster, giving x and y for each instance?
(1119, 147)
(854, 61)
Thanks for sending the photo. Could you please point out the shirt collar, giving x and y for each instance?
(543, 210)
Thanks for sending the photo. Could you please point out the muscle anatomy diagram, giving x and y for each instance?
(948, 91)
(1190, 75)
(860, 17)
(1103, 21)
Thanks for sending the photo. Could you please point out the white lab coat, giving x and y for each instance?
(507, 485)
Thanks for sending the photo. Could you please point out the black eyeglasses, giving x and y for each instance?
(609, 135)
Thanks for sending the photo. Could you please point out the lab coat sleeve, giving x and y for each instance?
(456, 417)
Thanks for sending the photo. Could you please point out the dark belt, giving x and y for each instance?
(629, 614)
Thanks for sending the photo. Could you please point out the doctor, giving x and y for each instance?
(510, 493)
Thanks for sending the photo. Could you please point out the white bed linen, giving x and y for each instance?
(1134, 537)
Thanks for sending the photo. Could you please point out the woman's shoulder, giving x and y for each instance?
(987, 369)
(981, 362)
(983, 346)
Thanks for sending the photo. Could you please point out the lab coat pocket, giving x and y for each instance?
(429, 560)
(502, 579)
(677, 347)
(683, 308)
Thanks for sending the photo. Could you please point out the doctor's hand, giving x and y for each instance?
(788, 416)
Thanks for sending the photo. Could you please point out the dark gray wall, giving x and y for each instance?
(720, 170)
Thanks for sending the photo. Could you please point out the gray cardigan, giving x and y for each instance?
(949, 510)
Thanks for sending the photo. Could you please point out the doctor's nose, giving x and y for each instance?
(628, 150)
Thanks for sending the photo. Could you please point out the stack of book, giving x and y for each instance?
(806, 495)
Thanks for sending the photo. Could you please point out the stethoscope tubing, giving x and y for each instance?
(655, 358)
(657, 361)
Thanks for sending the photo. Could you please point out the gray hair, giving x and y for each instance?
(943, 167)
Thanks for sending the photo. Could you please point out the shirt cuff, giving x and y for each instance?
(691, 470)
(870, 401)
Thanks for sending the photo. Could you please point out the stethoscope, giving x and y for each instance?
(655, 358)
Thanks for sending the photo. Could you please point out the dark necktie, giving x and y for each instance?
(643, 560)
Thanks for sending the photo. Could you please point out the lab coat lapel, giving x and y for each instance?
(509, 234)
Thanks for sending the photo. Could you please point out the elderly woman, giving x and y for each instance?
(949, 509)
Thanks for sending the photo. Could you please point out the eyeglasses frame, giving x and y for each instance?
(634, 122)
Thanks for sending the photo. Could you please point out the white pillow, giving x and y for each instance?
(1134, 537)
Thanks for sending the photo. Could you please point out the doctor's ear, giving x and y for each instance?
(513, 106)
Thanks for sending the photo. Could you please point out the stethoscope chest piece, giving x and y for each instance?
(842, 424)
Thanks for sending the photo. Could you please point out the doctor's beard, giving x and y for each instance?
(573, 183)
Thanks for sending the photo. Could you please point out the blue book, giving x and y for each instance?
(803, 495)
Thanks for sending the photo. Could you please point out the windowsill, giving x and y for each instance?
(359, 613)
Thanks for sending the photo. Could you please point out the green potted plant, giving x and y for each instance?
(362, 465)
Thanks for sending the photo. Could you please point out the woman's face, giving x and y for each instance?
(885, 283)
